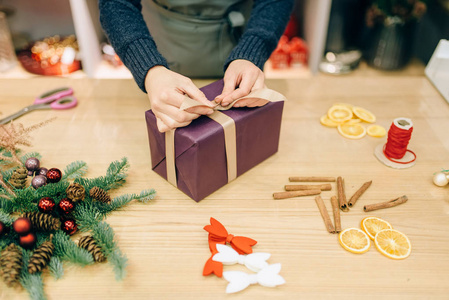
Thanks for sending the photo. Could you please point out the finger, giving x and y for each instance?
(260, 83)
(167, 123)
(229, 86)
(195, 93)
(250, 102)
(244, 89)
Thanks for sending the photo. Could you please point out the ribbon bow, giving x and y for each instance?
(267, 277)
(228, 256)
(219, 235)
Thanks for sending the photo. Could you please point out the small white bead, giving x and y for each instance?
(440, 179)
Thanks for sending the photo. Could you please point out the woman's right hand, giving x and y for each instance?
(166, 90)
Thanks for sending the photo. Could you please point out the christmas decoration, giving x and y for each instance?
(18, 178)
(11, 265)
(41, 221)
(41, 256)
(441, 178)
(38, 181)
(53, 175)
(100, 195)
(27, 241)
(32, 164)
(42, 171)
(46, 205)
(87, 242)
(75, 192)
(66, 206)
(22, 226)
(89, 216)
(69, 226)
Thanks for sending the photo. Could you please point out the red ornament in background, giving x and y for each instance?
(69, 226)
(2, 228)
(27, 241)
(54, 175)
(46, 205)
(66, 206)
(22, 226)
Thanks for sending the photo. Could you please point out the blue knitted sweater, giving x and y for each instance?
(128, 33)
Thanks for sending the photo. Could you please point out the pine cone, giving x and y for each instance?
(18, 178)
(41, 257)
(87, 242)
(11, 265)
(43, 221)
(75, 192)
(100, 195)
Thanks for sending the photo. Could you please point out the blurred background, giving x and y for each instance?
(54, 37)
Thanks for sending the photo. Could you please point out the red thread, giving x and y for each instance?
(397, 142)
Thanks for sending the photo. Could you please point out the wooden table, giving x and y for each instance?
(164, 240)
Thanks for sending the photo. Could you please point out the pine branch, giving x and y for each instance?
(66, 249)
(123, 200)
(31, 282)
(120, 262)
(74, 170)
(24, 158)
(5, 186)
(87, 216)
(6, 218)
(104, 236)
(56, 267)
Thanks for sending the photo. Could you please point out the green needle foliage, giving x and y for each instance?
(88, 214)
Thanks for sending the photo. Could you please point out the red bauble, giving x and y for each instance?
(27, 241)
(46, 205)
(2, 228)
(53, 175)
(66, 206)
(69, 226)
(22, 226)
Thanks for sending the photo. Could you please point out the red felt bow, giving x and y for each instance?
(213, 267)
(219, 235)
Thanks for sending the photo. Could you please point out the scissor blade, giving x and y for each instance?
(21, 113)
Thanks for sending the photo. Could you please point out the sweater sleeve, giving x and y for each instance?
(128, 33)
(266, 25)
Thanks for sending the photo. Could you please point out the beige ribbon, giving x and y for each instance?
(228, 124)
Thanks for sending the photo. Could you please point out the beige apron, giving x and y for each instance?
(196, 36)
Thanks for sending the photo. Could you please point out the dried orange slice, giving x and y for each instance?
(354, 240)
(352, 130)
(376, 131)
(393, 244)
(339, 113)
(364, 114)
(372, 225)
(324, 120)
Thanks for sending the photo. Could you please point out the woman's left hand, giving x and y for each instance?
(241, 77)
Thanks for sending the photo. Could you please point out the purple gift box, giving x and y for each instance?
(200, 156)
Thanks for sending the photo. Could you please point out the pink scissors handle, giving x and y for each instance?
(53, 95)
(64, 103)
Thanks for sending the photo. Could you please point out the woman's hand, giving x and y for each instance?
(241, 77)
(166, 90)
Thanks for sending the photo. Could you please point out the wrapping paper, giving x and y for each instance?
(200, 156)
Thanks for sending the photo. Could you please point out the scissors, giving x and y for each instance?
(60, 98)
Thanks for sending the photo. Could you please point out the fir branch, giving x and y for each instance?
(74, 170)
(123, 200)
(66, 249)
(31, 282)
(6, 218)
(6, 205)
(146, 195)
(24, 158)
(120, 262)
(56, 267)
(5, 186)
(104, 236)
(118, 168)
(87, 216)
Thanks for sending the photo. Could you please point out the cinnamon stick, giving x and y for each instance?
(291, 194)
(359, 193)
(386, 204)
(336, 212)
(301, 187)
(323, 211)
(311, 179)
(341, 194)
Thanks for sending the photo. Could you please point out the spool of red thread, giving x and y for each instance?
(395, 153)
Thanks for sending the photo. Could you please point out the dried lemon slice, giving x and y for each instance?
(324, 120)
(350, 106)
(339, 113)
(354, 240)
(364, 114)
(352, 131)
(376, 131)
(372, 225)
(393, 244)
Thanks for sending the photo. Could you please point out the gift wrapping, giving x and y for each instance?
(200, 158)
